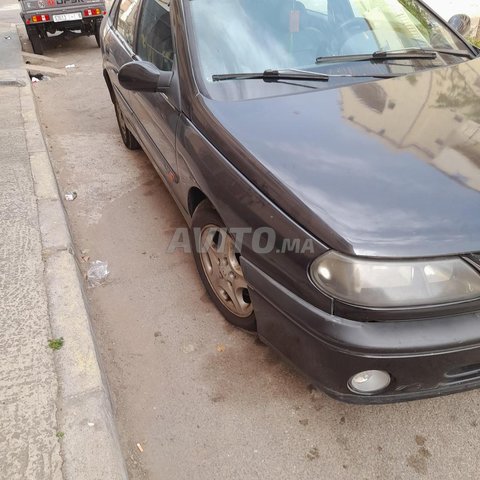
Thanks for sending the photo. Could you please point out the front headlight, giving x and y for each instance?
(392, 283)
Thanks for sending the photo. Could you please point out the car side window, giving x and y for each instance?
(155, 42)
(126, 19)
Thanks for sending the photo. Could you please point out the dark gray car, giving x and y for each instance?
(325, 155)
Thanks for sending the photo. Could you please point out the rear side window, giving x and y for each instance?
(127, 16)
(155, 43)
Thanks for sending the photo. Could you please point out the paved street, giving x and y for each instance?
(204, 400)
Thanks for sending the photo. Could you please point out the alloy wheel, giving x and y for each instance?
(221, 265)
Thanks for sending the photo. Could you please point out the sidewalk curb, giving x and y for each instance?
(90, 446)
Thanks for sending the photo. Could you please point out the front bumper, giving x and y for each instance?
(425, 358)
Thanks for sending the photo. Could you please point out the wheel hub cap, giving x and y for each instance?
(223, 271)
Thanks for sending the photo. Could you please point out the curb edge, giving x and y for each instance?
(90, 447)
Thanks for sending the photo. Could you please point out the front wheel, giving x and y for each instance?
(218, 264)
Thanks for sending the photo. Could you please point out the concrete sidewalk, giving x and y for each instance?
(29, 447)
(55, 412)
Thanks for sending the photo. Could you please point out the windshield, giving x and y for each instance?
(235, 36)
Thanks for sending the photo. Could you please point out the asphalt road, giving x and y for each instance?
(204, 400)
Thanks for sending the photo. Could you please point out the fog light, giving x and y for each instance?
(369, 382)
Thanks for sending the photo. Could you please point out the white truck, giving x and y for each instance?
(49, 16)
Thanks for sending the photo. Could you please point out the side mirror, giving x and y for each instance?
(461, 23)
(144, 77)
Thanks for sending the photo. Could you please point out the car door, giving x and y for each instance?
(119, 43)
(158, 112)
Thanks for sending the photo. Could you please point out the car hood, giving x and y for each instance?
(388, 168)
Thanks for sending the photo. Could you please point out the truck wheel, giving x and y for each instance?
(97, 32)
(35, 40)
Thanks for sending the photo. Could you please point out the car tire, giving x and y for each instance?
(127, 136)
(35, 40)
(219, 268)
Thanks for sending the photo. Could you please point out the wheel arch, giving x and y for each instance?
(195, 197)
(109, 85)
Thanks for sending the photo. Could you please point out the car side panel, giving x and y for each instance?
(116, 52)
(242, 205)
(151, 117)
(200, 165)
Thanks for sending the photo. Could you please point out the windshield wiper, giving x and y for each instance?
(407, 54)
(273, 76)
(381, 55)
(276, 76)
(451, 51)
(295, 74)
